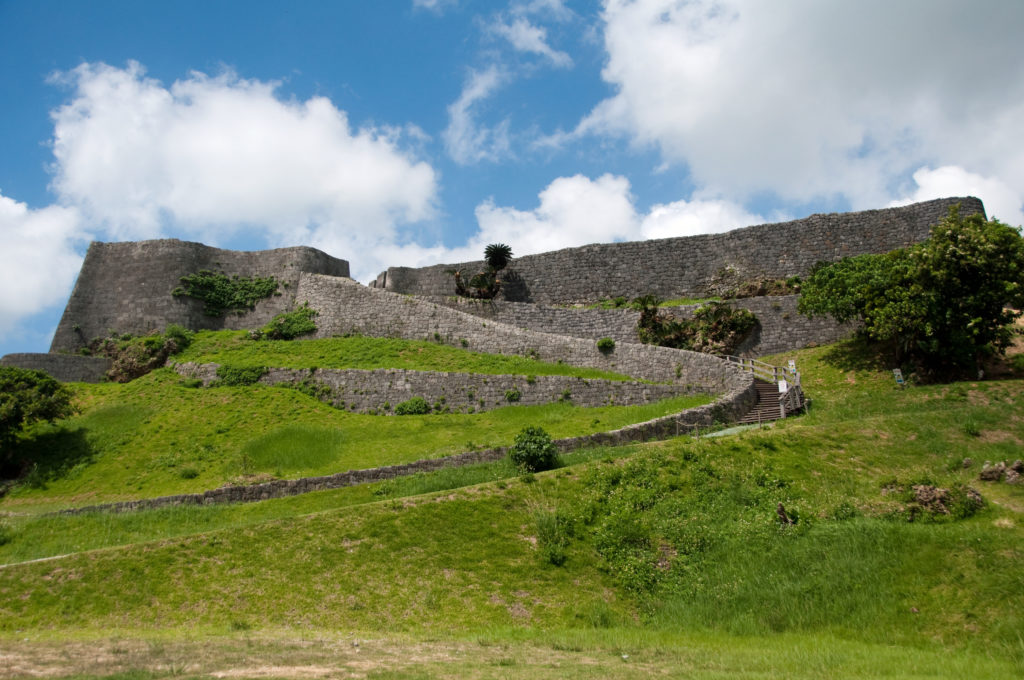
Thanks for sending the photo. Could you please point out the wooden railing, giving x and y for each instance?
(791, 395)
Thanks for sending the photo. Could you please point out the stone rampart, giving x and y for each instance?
(63, 367)
(126, 287)
(780, 327)
(379, 391)
(346, 307)
(685, 266)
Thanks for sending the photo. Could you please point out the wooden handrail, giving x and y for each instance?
(791, 399)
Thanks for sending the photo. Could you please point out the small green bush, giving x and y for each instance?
(533, 450)
(417, 406)
(606, 345)
(289, 325)
(238, 376)
(513, 395)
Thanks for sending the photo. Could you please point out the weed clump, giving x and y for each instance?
(288, 325)
(417, 406)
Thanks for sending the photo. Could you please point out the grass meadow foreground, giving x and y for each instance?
(663, 558)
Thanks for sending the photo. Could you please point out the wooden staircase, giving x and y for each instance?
(779, 393)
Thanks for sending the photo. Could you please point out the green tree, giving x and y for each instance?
(486, 284)
(945, 304)
(28, 396)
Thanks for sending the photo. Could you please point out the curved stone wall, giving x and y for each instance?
(685, 266)
(379, 391)
(126, 287)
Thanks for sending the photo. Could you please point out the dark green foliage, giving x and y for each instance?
(238, 376)
(606, 345)
(944, 304)
(417, 406)
(486, 284)
(513, 395)
(311, 388)
(222, 294)
(135, 357)
(28, 396)
(533, 450)
(289, 325)
(715, 328)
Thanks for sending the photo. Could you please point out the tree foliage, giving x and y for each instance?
(486, 284)
(715, 327)
(533, 450)
(222, 294)
(945, 304)
(28, 396)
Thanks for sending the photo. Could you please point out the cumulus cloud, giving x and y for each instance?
(689, 218)
(38, 259)
(1001, 201)
(466, 140)
(526, 37)
(209, 156)
(577, 210)
(812, 99)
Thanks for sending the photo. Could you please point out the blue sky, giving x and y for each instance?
(412, 132)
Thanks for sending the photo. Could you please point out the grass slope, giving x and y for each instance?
(236, 349)
(674, 561)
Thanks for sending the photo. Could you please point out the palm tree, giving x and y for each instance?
(497, 256)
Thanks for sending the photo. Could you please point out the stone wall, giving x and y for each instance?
(780, 327)
(379, 391)
(685, 266)
(63, 367)
(126, 287)
(346, 307)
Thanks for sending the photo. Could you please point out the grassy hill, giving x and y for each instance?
(663, 558)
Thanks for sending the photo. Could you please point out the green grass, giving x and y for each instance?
(675, 562)
(154, 437)
(236, 349)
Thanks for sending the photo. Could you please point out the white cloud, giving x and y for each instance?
(525, 37)
(467, 141)
(433, 5)
(689, 218)
(1000, 201)
(38, 262)
(813, 99)
(210, 156)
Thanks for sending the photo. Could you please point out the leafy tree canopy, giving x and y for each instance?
(945, 304)
(28, 396)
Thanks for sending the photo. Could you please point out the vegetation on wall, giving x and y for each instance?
(486, 284)
(222, 294)
(288, 325)
(715, 328)
(133, 357)
(944, 305)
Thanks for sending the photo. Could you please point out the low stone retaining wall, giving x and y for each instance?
(727, 409)
(63, 367)
(379, 391)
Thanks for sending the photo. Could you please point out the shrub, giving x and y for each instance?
(417, 406)
(606, 345)
(238, 376)
(221, 294)
(533, 450)
(513, 395)
(28, 396)
(289, 325)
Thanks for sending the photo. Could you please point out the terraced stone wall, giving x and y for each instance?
(379, 391)
(63, 367)
(126, 287)
(685, 266)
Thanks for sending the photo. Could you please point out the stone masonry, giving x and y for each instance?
(126, 287)
(685, 266)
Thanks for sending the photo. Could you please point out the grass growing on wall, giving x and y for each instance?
(236, 349)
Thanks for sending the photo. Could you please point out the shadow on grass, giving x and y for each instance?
(51, 454)
(859, 354)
